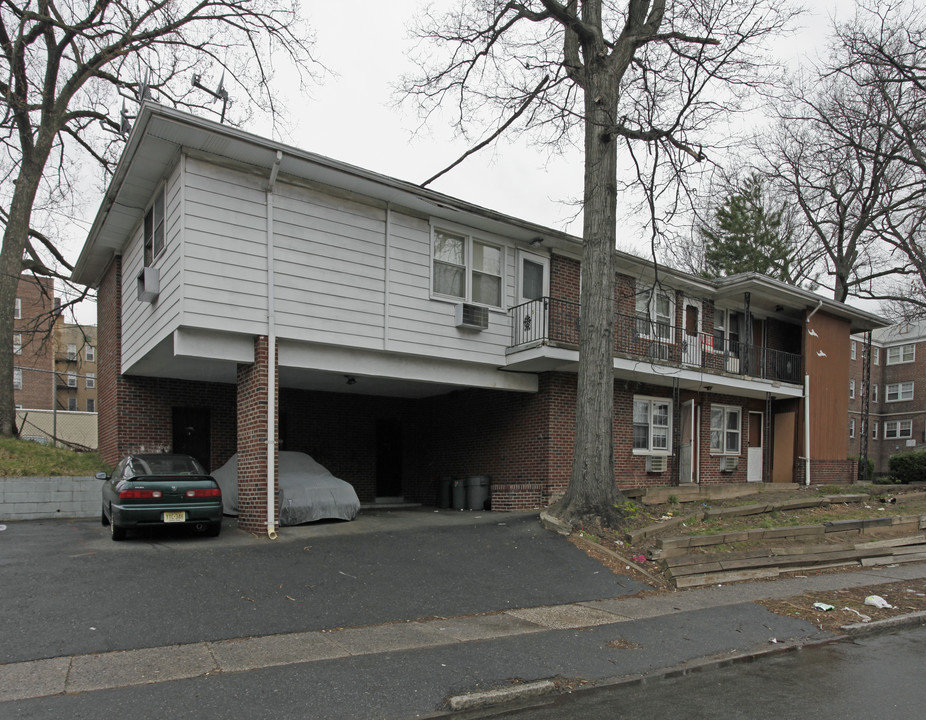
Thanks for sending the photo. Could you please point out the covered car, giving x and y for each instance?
(308, 491)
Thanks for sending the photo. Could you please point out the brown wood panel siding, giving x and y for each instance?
(827, 360)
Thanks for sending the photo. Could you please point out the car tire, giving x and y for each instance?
(104, 521)
(214, 529)
(117, 533)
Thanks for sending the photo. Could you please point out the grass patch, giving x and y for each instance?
(21, 458)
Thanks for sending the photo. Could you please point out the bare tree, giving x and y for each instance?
(883, 53)
(64, 65)
(654, 73)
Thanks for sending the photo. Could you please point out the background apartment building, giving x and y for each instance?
(54, 370)
(894, 392)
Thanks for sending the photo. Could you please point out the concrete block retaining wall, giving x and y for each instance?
(40, 498)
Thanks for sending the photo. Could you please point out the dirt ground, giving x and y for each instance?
(615, 552)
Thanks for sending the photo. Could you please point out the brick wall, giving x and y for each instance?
(252, 410)
(36, 296)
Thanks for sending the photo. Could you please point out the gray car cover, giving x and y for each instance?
(308, 491)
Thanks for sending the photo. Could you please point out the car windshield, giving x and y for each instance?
(166, 465)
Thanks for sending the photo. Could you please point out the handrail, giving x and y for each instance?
(549, 320)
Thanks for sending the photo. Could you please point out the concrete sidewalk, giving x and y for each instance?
(394, 615)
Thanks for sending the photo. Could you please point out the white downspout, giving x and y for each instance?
(806, 429)
(807, 407)
(271, 356)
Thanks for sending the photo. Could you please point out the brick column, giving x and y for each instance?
(252, 440)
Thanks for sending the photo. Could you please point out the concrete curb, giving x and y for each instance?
(697, 665)
(470, 701)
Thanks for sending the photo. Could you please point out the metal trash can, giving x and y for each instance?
(459, 494)
(444, 485)
(477, 492)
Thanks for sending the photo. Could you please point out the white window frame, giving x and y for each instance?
(469, 271)
(722, 325)
(151, 248)
(874, 430)
(17, 378)
(852, 349)
(874, 393)
(72, 351)
(899, 392)
(72, 379)
(851, 389)
(18, 309)
(877, 355)
(654, 322)
(851, 428)
(90, 380)
(726, 411)
(898, 429)
(897, 354)
(90, 353)
(651, 402)
(17, 343)
(91, 405)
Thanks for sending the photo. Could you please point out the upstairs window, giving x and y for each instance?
(91, 380)
(91, 405)
(874, 430)
(851, 389)
(17, 379)
(899, 391)
(90, 353)
(895, 429)
(72, 351)
(851, 428)
(876, 355)
(467, 269)
(874, 393)
(901, 354)
(154, 228)
(18, 309)
(72, 380)
(17, 344)
(655, 314)
(852, 349)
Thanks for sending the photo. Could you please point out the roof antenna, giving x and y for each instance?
(219, 93)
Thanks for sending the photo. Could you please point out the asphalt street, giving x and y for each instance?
(394, 615)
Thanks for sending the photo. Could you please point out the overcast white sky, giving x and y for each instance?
(350, 117)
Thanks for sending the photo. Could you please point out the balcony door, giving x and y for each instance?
(531, 316)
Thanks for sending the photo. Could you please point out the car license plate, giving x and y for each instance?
(174, 517)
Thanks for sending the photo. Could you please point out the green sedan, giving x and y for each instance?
(150, 489)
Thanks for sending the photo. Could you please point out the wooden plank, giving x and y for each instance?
(842, 525)
(892, 559)
(796, 531)
(722, 577)
(739, 511)
(854, 498)
(799, 504)
(675, 572)
(894, 542)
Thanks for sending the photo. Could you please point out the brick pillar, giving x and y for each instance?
(252, 440)
(110, 385)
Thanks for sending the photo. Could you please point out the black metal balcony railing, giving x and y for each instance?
(557, 321)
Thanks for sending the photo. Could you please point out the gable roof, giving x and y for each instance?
(161, 133)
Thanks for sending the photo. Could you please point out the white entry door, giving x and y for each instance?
(754, 453)
(530, 319)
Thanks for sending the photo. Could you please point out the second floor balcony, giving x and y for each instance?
(549, 321)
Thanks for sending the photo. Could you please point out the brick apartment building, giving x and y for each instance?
(76, 367)
(253, 296)
(895, 393)
(33, 343)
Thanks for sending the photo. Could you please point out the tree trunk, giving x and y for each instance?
(592, 491)
(14, 243)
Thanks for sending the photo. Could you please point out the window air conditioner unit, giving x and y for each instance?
(733, 365)
(472, 317)
(149, 284)
(655, 463)
(729, 464)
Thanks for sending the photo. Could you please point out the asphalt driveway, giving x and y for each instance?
(68, 589)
